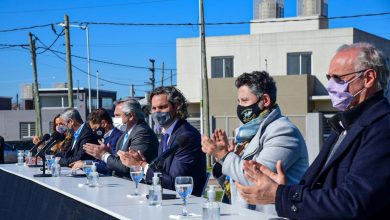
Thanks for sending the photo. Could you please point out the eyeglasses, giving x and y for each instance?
(337, 78)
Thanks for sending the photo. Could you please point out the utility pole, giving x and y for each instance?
(152, 79)
(97, 89)
(162, 75)
(132, 90)
(69, 62)
(204, 102)
(171, 77)
(37, 103)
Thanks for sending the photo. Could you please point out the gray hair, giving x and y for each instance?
(132, 105)
(371, 57)
(73, 114)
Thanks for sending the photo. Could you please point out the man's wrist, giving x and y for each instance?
(105, 156)
(221, 156)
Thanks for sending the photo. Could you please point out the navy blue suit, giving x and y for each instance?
(111, 140)
(188, 160)
(354, 184)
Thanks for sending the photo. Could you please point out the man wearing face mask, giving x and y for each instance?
(100, 121)
(350, 177)
(266, 136)
(137, 136)
(169, 110)
(74, 125)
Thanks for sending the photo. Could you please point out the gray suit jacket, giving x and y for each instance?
(141, 138)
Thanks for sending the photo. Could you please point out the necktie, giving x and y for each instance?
(164, 141)
(124, 141)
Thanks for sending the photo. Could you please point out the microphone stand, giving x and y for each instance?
(43, 169)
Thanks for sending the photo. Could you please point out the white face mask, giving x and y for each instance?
(119, 124)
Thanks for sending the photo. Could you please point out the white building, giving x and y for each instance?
(295, 51)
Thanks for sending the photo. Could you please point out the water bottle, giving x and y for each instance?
(56, 168)
(94, 177)
(20, 157)
(155, 192)
(211, 210)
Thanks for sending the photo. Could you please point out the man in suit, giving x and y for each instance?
(100, 121)
(82, 133)
(138, 136)
(350, 177)
(169, 110)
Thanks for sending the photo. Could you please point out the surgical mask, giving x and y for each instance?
(338, 92)
(162, 118)
(248, 113)
(61, 129)
(119, 124)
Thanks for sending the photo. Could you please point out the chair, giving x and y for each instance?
(205, 184)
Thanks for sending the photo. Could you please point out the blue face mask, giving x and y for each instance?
(162, 118)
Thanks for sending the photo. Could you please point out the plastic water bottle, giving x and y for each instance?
(56, 168)
(155, 191)
(211, 210)
(20, 157)
(94, 177)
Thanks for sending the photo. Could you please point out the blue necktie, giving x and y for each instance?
(164, 141)
(124, 141)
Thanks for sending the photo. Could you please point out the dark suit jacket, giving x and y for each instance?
(78, 153)
(355, 182)
(141, 138)
(188, 160)
(111, 140)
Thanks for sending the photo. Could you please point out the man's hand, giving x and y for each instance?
(96, 150)
(217, 147)
(265, 183)
(132, 158)
(77, 165)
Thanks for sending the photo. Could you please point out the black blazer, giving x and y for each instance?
(142, 138)
(78, 153)
(188, 160)
(354, 184)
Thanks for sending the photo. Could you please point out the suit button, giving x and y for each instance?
(295, 195)
(294, 208)
(319, 184)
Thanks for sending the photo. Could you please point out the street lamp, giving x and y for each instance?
(85, 27)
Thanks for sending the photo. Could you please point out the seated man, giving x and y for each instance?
(82, 133)
(350, 177)
(138, 136)
(169, 110)
(101, 123)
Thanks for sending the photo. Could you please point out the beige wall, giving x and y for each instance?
(292, 97)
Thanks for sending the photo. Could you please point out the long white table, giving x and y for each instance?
(111, 197)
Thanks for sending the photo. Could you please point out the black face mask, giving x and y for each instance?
(247, 113)
(100, 132)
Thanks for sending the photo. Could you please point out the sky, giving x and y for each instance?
(133, 45)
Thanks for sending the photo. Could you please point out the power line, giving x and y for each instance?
(25, 28)
(230, 23)
(58, 36)
(197, 24)
(83, 71)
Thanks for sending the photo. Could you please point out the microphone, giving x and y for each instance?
(175, 146)
(43, 139)
(55, 137)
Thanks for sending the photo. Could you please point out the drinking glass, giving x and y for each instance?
(87, 168)
(136, 173)
(50, 161)
(183, 186)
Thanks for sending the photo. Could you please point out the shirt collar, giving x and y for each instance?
(129, 131)
(170, 129)
(77, 133)
(106, 135)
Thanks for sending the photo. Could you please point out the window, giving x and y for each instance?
(107, 103)
(56, 101)
(221, 67)
(27, 130)
(299, 63)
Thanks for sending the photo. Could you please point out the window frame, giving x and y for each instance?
(223, 66)
(300, 62)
